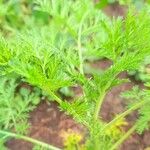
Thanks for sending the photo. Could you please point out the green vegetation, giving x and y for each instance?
(49, 51)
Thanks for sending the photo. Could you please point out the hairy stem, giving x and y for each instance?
(123, 138)
(42, 144)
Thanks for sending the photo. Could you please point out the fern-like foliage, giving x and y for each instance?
(53, 57)
(136, 96)
(78, 109)
(16, 106)
(143, 122)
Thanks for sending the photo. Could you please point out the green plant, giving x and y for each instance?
(54, 56)
(16, 105)
(72, 140)
(138, 3)
(19, 14)
(136, 95)
(143, 72)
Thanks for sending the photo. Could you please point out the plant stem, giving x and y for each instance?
(80, 53)
(101, 98)
(124, 137)
(79, 44)
(127, 112)
(56, 98)
(42, 144)
(98, 106)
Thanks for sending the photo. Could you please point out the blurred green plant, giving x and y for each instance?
(19, 14)
(15, 106)
(143, 72)
(138, 3)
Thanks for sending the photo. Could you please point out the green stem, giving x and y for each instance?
(79, 44)
(80, 53)
(124, 137)
(54, 96)
(101, 98)
(127, 112)
(42, 144)
(98, 106)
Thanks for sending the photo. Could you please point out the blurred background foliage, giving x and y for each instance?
(137, 3)
(17, 15)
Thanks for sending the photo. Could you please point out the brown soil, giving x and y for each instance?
(47, 124)
(115, 10)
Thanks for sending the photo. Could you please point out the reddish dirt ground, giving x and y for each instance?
(47, 124)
